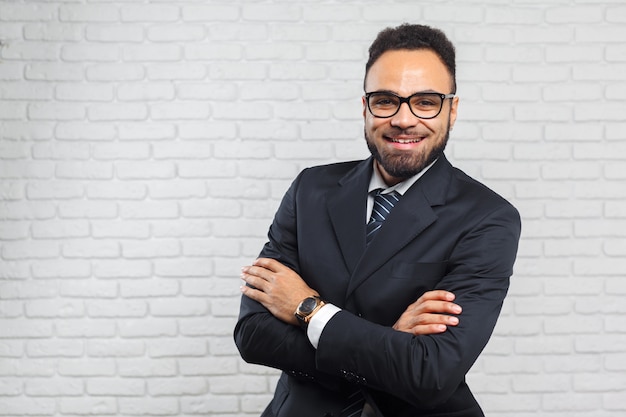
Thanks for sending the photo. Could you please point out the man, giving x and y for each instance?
(365, 319)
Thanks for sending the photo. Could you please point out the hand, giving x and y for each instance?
(430, 314)
(276, 286)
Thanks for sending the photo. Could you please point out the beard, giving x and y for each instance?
(404, 165)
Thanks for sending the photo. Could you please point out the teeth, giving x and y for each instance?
(405, 140)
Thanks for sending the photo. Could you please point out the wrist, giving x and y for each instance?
(307, 309)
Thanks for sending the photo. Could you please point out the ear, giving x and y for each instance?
(364, 102)
(453, 111)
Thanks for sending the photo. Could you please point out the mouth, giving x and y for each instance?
(404, 140)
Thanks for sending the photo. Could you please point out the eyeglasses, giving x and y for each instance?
(422, 105)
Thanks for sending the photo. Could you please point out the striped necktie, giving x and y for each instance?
(383, 203)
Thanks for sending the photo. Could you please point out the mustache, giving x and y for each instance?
(404, 132)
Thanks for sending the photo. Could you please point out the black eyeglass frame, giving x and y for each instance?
(407, 100)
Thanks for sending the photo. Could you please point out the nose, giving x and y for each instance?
(404, 118)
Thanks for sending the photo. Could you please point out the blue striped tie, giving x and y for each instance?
(383, 203)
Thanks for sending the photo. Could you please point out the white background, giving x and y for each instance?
(145, 145)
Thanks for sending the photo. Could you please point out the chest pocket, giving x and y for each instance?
(427, 273)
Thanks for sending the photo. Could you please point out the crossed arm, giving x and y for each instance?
(280, 290)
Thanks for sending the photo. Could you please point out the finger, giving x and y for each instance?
(255, 281)
(253, 293)
(269, 263)
(426, 319)
(429, 329)
(437, 295)
(257, 271)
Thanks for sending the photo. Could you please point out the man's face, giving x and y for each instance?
(404, 144)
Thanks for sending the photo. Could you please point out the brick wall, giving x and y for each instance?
(145, 145)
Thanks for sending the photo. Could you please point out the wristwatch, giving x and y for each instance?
(307, 308)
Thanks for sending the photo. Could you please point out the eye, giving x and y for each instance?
(425, 101)
(383, 100)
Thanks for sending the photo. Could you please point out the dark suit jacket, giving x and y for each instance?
(447, 232)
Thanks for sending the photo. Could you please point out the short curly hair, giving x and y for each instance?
(412, 37)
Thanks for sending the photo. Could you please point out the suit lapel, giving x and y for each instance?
(408, 219)
(346, 209)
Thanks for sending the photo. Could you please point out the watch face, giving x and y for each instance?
(307, 306)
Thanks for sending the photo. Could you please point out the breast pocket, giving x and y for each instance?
(426, 273)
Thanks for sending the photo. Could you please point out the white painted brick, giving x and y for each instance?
(180, 110)
(28, 406)
(114, 33)
(116, 348)
(88, 13)
(542, 384)
(28, 289)
(54, 190)
(581, 14)
(25, 91)
(118, 111)
(149, 210)
(615, 362)
(142, 288)
(193, 169)
(209, 52)
(122, 268)
(176, 33)
(156, 406)
(145, 92)
(178, 348)
(26, 328)
(11, 309)
(214, 208)
(183, 268)
(134, 367)
(83, 92)
(176, 71)
(210, 404)
(207, 366)
(50, 269)
(13, 111)
(88, 405)
(96, 53)
(57, 111)
(87, 289)
(177, 387)
(115, 72)
(150, 13)
(211, 12)
(30, 51)
(157, 52)
(116, 191)
(54, 348)
(564, 402)
(11, 71)
(52, 32)
(182, 228)
(53, 72)
(19, 210)
(572, 363)
(144, 170)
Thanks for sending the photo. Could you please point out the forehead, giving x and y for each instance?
(408, 71)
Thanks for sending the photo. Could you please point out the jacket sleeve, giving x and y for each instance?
(262, 338)
(426, 370)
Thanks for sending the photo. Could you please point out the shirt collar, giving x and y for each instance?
(377, 182)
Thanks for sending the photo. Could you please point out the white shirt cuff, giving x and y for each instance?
(319, 321)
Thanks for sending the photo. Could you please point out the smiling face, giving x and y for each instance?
(404, 144)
